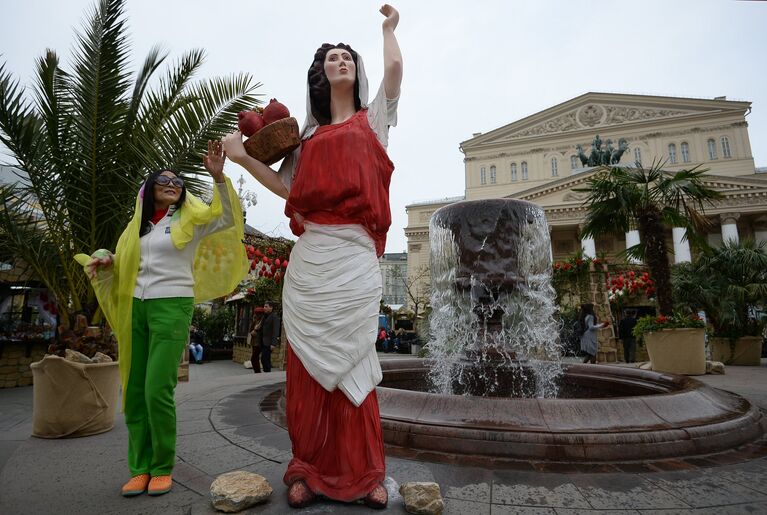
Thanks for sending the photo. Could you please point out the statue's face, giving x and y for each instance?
(340, 68)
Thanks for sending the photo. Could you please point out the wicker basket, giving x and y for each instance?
(274, 141)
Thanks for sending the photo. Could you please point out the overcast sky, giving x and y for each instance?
(469, 66)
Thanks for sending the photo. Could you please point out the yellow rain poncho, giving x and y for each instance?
(219, 264)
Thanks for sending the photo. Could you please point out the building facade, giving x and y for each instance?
(394, 279)
(537, 159)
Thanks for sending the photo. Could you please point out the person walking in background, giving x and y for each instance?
(625, 333)
(269, 335)
(195, 344)
(589, 327)
(254, 336)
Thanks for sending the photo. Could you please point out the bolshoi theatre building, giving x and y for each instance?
(535, 159)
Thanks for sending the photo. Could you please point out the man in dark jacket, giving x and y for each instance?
(269, 335)
(625, 333)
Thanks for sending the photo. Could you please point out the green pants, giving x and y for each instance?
(160, 333)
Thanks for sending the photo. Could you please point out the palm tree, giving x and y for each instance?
(651, 200)
(729, 284)
(86, 136)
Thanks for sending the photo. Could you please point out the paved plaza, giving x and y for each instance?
(221, 428)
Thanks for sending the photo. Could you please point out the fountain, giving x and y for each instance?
(494, 389)
(494, 392)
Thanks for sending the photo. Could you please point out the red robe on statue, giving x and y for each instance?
(342, 178)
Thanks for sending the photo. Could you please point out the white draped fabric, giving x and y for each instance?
(331, 298)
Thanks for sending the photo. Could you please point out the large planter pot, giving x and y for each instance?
(677, 351)
(73, 399)
(746, 350)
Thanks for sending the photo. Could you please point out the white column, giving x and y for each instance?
(588, 247)
(632, 238)
(730, 227)
(681, 246)
(551, 247)
(760, 228)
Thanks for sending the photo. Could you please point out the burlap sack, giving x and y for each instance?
(73, 399)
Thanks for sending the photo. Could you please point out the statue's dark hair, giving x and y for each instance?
(147, 209)
(319, 87)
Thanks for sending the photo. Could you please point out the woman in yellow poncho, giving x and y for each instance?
(176, 251)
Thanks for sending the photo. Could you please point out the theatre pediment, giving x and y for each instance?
(597, 111)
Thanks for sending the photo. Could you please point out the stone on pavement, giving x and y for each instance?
(238, 490)
(715, 367)
(422, 498)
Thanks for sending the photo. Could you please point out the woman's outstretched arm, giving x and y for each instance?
(392, 54)
(235, 151)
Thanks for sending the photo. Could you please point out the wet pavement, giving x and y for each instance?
(221, 427)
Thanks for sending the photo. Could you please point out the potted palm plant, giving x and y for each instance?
(652, 201)
(81, 144)
(730, 285)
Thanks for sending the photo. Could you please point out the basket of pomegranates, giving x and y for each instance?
(272, 133)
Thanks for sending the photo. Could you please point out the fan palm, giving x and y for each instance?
(729, 284)
(86, 136)
(651, 200)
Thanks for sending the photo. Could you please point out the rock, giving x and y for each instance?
(100, 357)
(238, 490)
(422, 498)
(647, 365)
(77, 357)
(715, 367)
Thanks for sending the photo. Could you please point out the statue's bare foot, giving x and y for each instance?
(377, 498)
(299, 495)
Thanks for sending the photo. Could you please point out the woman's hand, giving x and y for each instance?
(233, 147)
(99, 259)
(214, 160)
(392, 17)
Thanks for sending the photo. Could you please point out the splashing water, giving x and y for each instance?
(492, 324)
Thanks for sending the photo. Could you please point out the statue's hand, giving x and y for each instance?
(233, 147)
(392, 17)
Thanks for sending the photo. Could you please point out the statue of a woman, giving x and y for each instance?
(337, 189)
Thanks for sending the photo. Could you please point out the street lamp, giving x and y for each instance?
(247, 197)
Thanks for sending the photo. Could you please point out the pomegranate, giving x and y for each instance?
(249, 122)
(275, 111)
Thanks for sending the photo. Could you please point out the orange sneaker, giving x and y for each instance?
(136, 486)
(160, 485)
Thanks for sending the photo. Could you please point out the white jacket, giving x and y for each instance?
(165, 271)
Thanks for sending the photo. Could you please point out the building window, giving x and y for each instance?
(513, 171)
(711, 149)
(524, 170)
(685, 152)
(554, 170)
(638, 156)
(672, 153)
(492, 174)
(726, 147)
(482, 176)
(573, 162)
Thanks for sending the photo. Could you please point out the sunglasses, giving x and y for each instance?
(164, 180)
